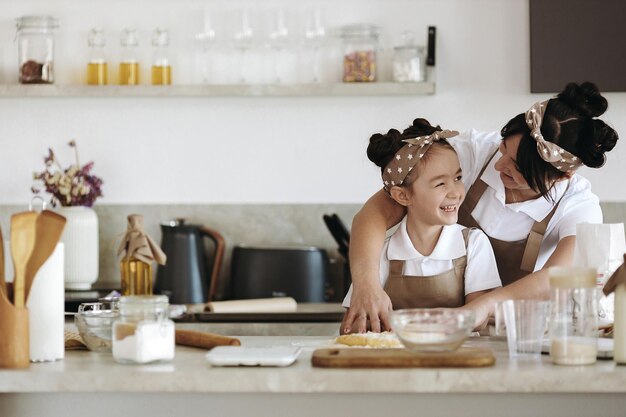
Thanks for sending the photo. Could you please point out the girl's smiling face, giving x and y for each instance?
(437, 193)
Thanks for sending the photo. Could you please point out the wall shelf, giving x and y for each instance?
(261, 90)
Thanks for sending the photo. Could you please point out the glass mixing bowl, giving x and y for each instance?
(432, 329)
(95, 323)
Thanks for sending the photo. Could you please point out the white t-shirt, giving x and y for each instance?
(512, 222)
(481, 272)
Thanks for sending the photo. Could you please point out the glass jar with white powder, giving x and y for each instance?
(573, 316)
(143, 333)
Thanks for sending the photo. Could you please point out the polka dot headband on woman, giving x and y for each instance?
(548, 151)
(408, 156)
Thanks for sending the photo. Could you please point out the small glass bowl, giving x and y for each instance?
(432, 329)
(95, 325)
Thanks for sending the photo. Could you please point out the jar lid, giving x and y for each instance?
(160, 37)
(572, 277)
(96, 37)
(37, 22)
(129, 37)
(360, 30)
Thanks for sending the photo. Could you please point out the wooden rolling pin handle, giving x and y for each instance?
(204, 340)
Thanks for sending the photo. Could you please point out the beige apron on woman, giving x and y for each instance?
(446, 289)
(515, 259)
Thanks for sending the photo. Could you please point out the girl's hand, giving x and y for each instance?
(367, 304)
(482, 309)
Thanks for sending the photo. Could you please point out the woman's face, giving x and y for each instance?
(507, 164)
(437, 193)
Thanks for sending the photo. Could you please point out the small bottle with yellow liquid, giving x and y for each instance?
(97, 71)
(129, 64)
(139, 251)
(161, 64)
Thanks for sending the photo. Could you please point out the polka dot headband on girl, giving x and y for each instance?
(550, 152)
(408, 156)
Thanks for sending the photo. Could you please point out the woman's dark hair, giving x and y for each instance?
(570, 122)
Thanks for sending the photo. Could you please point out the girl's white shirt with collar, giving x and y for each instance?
(512, 222)
(481, 272)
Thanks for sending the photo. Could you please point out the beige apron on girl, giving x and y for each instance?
(515, 259)
(446, 289)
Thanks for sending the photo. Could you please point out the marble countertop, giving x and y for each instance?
(84, 371)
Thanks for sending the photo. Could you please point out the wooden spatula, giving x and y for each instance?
(49, 228)
(23, 233)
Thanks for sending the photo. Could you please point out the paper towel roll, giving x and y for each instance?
(257, 305)
(46, 307)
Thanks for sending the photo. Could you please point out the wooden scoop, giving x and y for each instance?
(23, 233)
(49, 228)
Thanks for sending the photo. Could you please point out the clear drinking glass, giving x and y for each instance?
(525, 322)
(243, 40)
(314, 39)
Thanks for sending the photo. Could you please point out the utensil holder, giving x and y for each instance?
(14, 343)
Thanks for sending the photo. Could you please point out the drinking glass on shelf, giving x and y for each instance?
(278, 41)
(314, 38)
(243, 40)
(205, 42)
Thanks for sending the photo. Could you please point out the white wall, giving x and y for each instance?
(265, 150)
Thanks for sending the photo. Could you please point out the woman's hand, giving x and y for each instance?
(367, 304)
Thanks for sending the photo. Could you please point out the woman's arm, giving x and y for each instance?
(532, 286)
(369, 300)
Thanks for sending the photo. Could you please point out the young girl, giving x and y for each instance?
(429, 261)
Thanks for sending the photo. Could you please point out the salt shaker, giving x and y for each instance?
(573, 316)
(143, 332)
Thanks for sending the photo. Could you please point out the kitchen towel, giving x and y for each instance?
(46, 305)
(257, 305)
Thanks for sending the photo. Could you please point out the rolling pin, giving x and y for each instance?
(204, 340)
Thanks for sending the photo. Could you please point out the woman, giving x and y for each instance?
(523, 192)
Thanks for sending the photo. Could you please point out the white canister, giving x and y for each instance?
(80, 237)
(46, 310)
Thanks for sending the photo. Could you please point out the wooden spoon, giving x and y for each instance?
(49, 228)
(23, 232)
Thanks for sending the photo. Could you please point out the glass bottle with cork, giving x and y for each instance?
(139, 251)
(161, 65)
(129, 64)
(97, 71)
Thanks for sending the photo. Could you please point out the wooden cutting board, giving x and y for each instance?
(464, 357)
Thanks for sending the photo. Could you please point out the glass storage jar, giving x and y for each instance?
(143, 332)
(35, 46)
(161, 64)
(97, 71)
(360, 44)
(573, 316)
(129, 63)
(409, 60)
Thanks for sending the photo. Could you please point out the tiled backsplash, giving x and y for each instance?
(253, 224)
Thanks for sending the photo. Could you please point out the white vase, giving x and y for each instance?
(80, 237)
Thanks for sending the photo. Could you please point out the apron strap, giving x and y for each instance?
(533, 243)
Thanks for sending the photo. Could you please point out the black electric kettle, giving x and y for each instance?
(193, 265)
